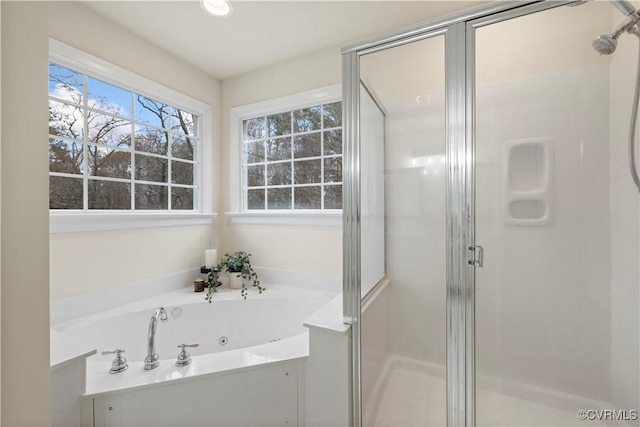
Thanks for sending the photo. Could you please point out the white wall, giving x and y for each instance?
(543, 42)
(24, 228)
(311, 249)
(625, 231)
(78, 259)
(88, 262)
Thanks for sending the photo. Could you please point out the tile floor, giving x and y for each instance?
(409, 397)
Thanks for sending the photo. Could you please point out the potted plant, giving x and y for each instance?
(238, 264)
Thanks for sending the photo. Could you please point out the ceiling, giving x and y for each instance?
(261, 33)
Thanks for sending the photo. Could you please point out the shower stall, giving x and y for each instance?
(492, 228)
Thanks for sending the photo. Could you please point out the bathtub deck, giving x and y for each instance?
(101, 383)
(66, 351)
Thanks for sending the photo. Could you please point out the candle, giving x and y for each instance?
(210, 258)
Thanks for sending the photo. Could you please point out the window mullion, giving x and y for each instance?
(169, 156)
(133, 152)
(293, 165)
(322, 157)
(244, 171)
(85, 140)
(264, 165)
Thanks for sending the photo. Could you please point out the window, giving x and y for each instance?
(115, 147)
(292, 159)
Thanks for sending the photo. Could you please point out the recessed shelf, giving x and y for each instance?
(528, 181)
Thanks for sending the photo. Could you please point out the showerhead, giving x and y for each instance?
(605, 44)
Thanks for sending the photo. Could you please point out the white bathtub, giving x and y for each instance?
(264, 329)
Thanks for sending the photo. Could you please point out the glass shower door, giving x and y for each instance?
(557, 214)
(403, 338)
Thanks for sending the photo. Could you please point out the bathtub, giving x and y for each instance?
(244, 346)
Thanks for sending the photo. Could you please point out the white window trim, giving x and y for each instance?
(324, 95)
(331, 218)
(108, 221)
(75, 221)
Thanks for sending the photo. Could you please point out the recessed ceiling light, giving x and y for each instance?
(217, 7)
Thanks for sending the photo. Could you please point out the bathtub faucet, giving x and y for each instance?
(152, 360)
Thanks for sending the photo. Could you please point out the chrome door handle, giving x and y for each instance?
(477, 256)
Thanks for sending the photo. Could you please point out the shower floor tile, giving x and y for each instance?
(408, 396)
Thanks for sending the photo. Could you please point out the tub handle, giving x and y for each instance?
(116, 351)
(182, 346)
(184, 358)
(119, 364)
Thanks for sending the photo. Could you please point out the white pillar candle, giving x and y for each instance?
(210, 258)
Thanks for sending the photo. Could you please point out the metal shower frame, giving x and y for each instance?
(459, 33)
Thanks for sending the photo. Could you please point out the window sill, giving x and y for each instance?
(88, 222)
(315, 218)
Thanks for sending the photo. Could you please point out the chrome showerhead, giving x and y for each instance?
(605, 44)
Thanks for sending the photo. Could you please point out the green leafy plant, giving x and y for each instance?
(238, 263)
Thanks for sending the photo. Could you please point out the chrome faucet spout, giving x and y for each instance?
(152, 360)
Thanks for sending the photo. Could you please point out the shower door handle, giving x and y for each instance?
(477, 256)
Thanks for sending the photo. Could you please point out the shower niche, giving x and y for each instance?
(528, 181)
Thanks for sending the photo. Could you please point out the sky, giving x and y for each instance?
(111, 98)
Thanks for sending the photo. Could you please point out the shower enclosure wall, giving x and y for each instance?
(492, 230)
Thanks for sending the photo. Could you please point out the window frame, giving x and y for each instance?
(63, 221)
(238, 214)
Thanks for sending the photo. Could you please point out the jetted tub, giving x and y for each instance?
(235, 336)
